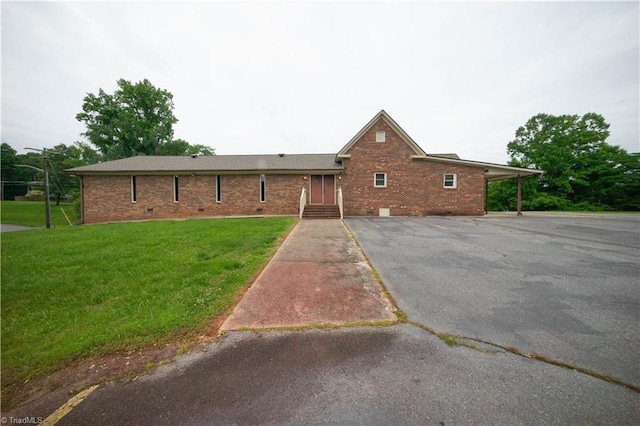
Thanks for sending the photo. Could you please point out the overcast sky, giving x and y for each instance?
(305, 77)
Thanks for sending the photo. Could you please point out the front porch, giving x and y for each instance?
(324, 200)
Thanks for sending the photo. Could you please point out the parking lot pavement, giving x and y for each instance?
(566, 287)
(372, 375)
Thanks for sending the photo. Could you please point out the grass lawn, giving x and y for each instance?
(32, 213)
(88, 290)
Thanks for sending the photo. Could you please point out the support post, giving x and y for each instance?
(47, 198)
(486, 196)
(519, 208)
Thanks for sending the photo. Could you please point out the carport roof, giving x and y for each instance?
(491, 171)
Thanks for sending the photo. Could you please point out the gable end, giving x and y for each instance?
(382, 115)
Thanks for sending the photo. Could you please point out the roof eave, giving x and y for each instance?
(202, 172)
(492, 171)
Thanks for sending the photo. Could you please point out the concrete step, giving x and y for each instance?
(321, 211)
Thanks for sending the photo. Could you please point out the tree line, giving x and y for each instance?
(582, 171)
(137, 119)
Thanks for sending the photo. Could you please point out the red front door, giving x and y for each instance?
(323, 189)
(316, 189)
(329, 190)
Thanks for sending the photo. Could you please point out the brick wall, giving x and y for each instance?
(414, 186)
(108, 198)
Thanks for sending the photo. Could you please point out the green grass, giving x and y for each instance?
(32, 213)
(72, 292)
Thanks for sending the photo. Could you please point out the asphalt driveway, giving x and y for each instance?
(564, 286)
(354, 376)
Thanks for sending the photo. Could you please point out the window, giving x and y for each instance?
(218, 193)
(380, 180)
(450, 180)
(263, 193)
(380, 136)
(133, 189)
(175, 189)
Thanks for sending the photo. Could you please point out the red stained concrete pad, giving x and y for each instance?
(318, 276)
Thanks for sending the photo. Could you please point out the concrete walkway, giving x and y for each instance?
(318, 276)
(14, 228)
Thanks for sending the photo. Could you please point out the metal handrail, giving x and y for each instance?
(303, 200)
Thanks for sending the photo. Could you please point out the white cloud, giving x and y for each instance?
(305, 77)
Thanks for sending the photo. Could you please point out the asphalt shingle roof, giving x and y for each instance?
(217, 163)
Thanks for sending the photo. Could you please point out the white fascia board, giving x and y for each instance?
(491, 171)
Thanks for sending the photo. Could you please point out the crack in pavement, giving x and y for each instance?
(462, 341)
(453, 340)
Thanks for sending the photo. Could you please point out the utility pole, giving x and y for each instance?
(47, 200)
(47, 203)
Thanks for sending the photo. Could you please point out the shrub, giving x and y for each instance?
(588, 207)
(543, 201)
(34, 195)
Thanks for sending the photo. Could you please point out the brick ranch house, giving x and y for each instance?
(380, 172)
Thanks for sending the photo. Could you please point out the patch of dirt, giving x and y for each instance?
(48, 393)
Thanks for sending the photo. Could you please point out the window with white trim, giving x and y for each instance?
(134, 196)
(263, 188)
(450, 180)
(380, 136)
(380, 180)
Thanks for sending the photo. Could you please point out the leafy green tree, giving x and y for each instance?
(86, 154)
(7, 158)
(8, 161)
(137, 119)
(182, 147)
(582, 171)
(63, 157)
(16, 180)
(59, 158)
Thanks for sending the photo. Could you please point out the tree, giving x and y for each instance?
(17, 180)
(581, 169)
(136, 119)
(59, 158)
(182, 147)
(63, 157)
(8, 159)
